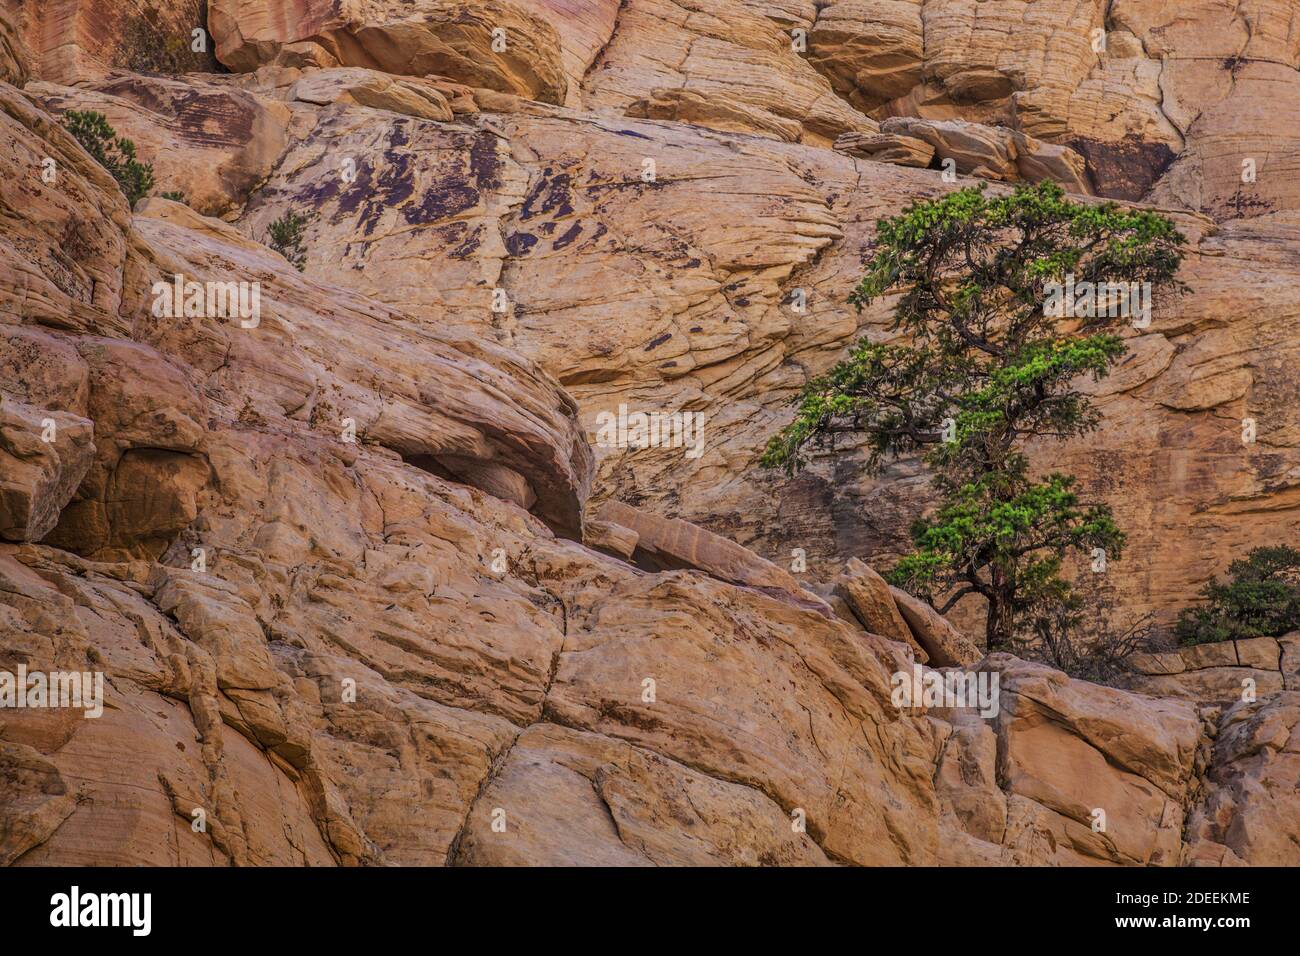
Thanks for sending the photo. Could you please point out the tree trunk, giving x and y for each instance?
(999, 627)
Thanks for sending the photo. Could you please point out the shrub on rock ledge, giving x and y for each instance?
(115, 153)
(1261, 600)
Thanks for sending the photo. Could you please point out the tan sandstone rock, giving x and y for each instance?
(15, 57)
(211, 143)
(945, 644)
(1249, 806)
(434, 37)
(886, 148)
(411, 97)
(1260, 652)
(664, 544)
(45, 456)
(867, 594)
(74, 40)
(372, 651)
(993, 153)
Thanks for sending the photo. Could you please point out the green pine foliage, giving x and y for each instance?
(113, 152)
(1262, 599)
(285, 236)
(972, 370)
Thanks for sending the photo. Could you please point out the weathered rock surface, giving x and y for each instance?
(1081, 75)
(15, 57)
(993, 153)
(72, 40)
(1227, 671)
(713, 63)
(495, 44)
(343, 569)
(886, 148)
(707, 62)
(702, 316)
(550, 207)
(214, 144)
(666, 544)
(1249, 810)
(413, 96)
(1059, 740)
(43, 457)
(944, 644)
(869, 598)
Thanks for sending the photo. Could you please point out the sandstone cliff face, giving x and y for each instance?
(363, 590)
(537, 225)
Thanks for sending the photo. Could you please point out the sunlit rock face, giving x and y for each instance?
(370, 564)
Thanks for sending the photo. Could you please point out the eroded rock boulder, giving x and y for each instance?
(945, 645)
(1074, 749)
(887, 148)
(993, 153)
(44, 455)
(1249, 810)
(211, 143)
(496, 44)
(665, 544)
(867, 595)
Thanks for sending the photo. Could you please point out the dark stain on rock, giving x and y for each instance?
(1242, 205)
(399, 165)
(321, 192)
(551, 195)
(658, 340)
(484, 163)
(448, 196)
(368, 196)
(370, 217)
(215, 121)
(393, 186)
(460, 240)
(1124, 170)
(519, 243)
(355, 192)
(396, 183)
(574, 231)
(624, 184)
(206, 119)
(622, 714)
(632, 133)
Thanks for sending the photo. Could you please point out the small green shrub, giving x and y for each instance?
(285, 236)
(115, 153)
(175, 195)
(1262, 599)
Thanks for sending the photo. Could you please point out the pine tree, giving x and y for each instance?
(977, 364)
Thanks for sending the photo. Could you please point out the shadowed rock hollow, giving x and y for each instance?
(362, 588)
